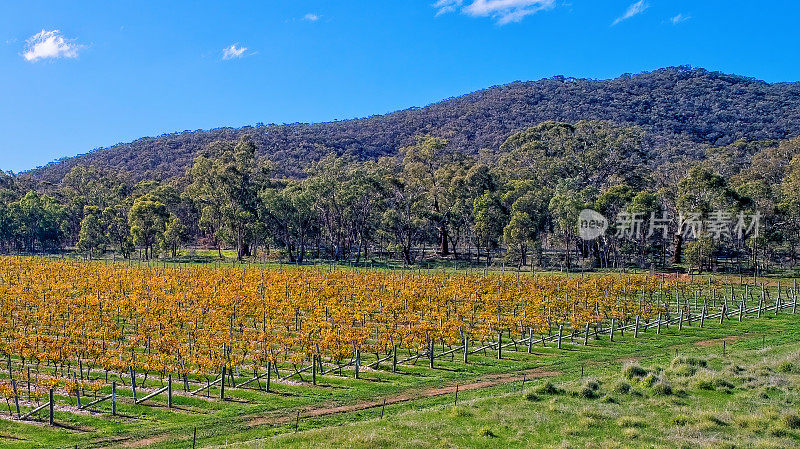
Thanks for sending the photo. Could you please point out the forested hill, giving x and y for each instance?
(680, 109)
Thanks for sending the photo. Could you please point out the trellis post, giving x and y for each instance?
(133, 383)
(169, 391)
(51, 406)
(560, 334)
(611, 332)
(222, 385)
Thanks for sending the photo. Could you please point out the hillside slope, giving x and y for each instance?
(680, 108)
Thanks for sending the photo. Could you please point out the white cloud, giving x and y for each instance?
(50, 44)
(503, 11)
(634, 9)
(233, 52)
(679, 18)
(310, 17)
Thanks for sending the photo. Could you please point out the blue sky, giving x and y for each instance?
(85, 74)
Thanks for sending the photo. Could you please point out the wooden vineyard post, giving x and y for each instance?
(500, 346)
(742, 308)
(169, 391)
(314, 369)
(680, 320)
(703, 313)
(222, 385)
(560, 334)
(658, 328)
(269, 375)
(585, 337)
(611, 332)
(16, 396)
(530, 340)
(456, 400)
(114, 398)
(133, 383)
(636, 329)
(357, 362)
(51, 405)
(466, 348)
(394, 358)
(430, 352)
(794, 294)
(77, 389)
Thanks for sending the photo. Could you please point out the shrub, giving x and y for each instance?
(547, 388)
(533, 397)
(622, 387)
(590, 389)
(609, 400)
(792, 420)
(715, 420)
(680, 420)
(486, 432)
(786, 367)
(650, 379)
(686, 366)
(632, 370)
(720, 382)
(663, 388)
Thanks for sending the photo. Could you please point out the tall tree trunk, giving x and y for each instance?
(677, 254)
(444, 249)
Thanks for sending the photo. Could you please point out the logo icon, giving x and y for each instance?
(591, 224)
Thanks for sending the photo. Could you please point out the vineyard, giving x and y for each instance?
(77, 330)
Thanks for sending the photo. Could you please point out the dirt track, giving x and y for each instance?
(490, 381)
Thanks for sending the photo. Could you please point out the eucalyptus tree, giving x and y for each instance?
(225, 182)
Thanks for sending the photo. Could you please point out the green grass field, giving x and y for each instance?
(746, 397)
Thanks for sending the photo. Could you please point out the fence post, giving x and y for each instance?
(133, 383)
(530, 340)
(314, 369)
(658, 329)
(269, 374)
(114, 398)
(169, 391)
(500, 346)
(586, 336)
(16, 396)
(222, 385)
(560, 334)
(466, 348)
(430, 352)
(703, 312)
(50, 396)
(636, 330)
(394, 358)
(357, 362)
(742, 307)
(611, 332)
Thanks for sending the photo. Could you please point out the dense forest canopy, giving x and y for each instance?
(681, 110)
(689, 169)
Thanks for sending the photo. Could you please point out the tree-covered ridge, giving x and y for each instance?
(680, 111)
(521, 203)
